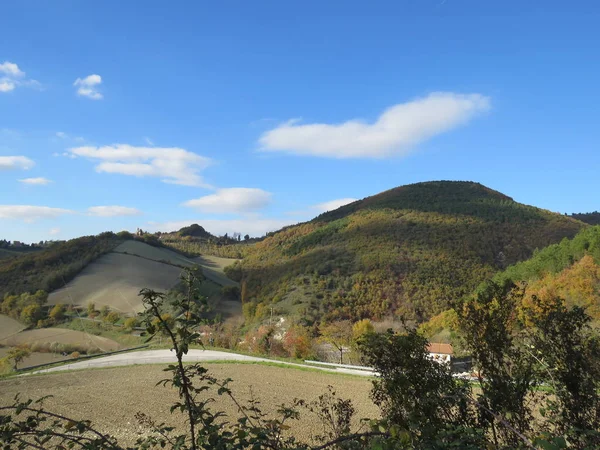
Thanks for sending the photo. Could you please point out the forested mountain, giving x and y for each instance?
(410, 250)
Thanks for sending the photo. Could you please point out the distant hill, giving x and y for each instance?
(116, 278)
(52, 267)
(195, 230)
(410, 250)
(592, 218)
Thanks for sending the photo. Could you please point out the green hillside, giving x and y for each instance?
(557, 257)
(52, 267)
(410, 250)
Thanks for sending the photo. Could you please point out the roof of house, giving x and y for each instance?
(445, 349)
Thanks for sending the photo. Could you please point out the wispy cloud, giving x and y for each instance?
(395, 132)
(11, 77)
(54, 231)
(15, 162)
(65, 136)
(149, 141)
(29, 213)
(35, 181)
(232, 200)
(88, 86)
(171, 164)
(113, 211)
(333, 204)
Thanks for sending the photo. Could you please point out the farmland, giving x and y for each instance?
(111, 397)
(9, 326)
(115, 279)
(45, 337)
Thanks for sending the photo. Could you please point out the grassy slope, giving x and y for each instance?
(116, 278)
(9, 327)
(410, 250)
(51, 268)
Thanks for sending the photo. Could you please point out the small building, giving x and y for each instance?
(440, 352)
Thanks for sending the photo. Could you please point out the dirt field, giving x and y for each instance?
(9, 326)
(111, 397)
(115, 280)
(61, 336)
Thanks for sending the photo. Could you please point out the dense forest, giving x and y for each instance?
(411, 250)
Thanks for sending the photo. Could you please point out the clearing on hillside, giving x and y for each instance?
(9, 327)
(212, 267)
(44, 337)
(115, 280)
(111, 397)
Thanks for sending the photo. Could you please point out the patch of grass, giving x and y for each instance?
(117, 334)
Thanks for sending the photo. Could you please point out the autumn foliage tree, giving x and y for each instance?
(339, 335)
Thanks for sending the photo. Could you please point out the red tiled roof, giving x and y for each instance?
(445, 349)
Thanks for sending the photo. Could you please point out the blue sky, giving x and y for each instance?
(246, 116)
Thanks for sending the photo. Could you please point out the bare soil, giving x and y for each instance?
(111, 397)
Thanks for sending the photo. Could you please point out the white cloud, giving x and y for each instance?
(54, 231)
(6, 85)
(232, 200)
(88, 86)
(13, 77)
(395, 132)
(254, 227)
(61, 135)
(171, 164)
(333, 204)
(11, 69)
(36, 181)
(30, 213)
(113, 211)
(15, 162)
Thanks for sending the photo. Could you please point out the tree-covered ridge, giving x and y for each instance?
(557, 257)
(569, 270)
(410, 250)
(592, 218)
(53, 267)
